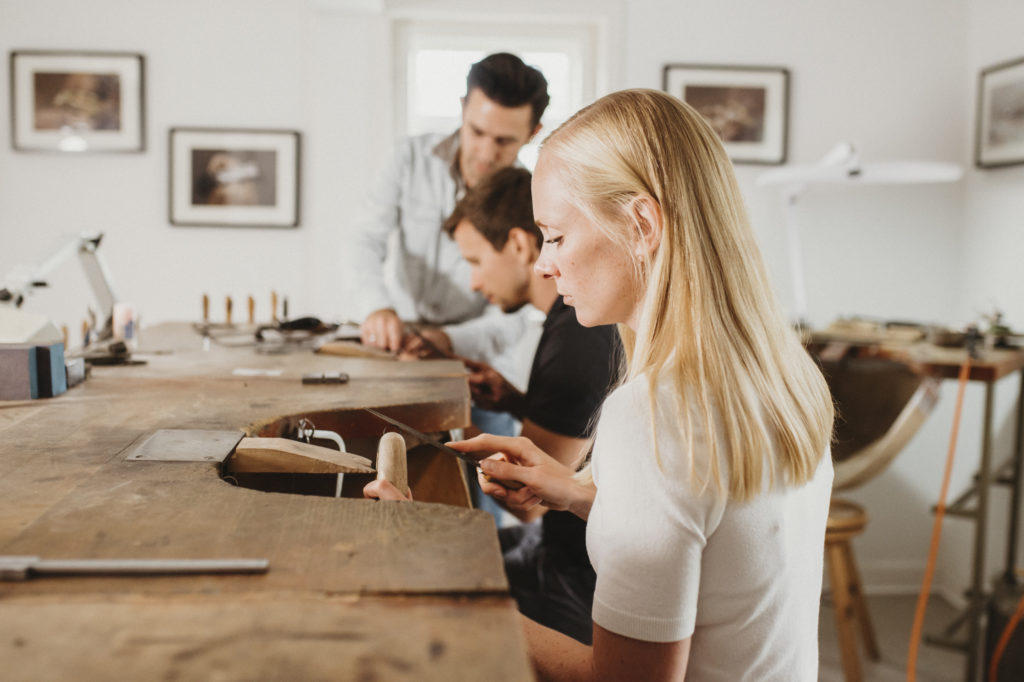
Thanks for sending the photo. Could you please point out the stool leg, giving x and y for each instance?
(867, 631)
(845, 613)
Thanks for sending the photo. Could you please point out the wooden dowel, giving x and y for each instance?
(391, 463)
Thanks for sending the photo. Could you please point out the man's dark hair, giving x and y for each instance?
(505, 79)
(498, 203)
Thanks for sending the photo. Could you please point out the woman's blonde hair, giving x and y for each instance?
(707, 315)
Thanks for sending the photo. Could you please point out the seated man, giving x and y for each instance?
(573, 369)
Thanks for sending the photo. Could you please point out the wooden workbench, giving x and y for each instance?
(357, 589)
(992, 365)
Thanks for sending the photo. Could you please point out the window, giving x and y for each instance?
(434, 57)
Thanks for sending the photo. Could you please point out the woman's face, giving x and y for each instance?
(593, 274)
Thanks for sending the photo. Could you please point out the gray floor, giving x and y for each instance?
(893, 618)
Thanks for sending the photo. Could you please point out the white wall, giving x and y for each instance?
(225, 64)
(992, 259)
(890, 79)
(867, 73)
(895, 79)
(234, 64)
(993, 256)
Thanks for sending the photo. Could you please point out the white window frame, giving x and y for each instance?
(581, 39)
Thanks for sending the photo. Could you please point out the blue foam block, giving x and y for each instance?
(53, 377)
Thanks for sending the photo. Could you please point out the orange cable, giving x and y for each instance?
(1004, 639)
(940, 512)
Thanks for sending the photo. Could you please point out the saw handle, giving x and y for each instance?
(391, 462)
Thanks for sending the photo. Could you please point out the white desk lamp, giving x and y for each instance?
(19, 326)
(842, 165)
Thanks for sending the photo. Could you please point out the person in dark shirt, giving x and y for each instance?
(573, 369)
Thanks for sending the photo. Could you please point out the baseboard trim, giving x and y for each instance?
(901, 578)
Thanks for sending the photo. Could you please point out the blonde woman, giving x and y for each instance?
(708, 488)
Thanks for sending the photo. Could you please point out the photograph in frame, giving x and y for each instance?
(77, 101)
(1000, 125)
(747, 106)
(234, 177)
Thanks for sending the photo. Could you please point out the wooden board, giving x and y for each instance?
(52, 448)
(938, 361)
(269, 455)
(290, 637)
(68, 491)
(181, 510)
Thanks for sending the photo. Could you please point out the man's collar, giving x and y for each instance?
(448, 151)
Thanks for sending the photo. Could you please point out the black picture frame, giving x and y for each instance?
(234, 177)
(999, 128)
(67, 101)
(748, 106)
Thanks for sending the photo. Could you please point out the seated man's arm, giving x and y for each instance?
(490, 335)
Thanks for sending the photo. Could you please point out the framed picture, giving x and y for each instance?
(234, 177)
(999, 138)
(77, 101)
(748, 106)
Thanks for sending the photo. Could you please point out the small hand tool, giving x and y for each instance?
(325, 378)
(424, 438)
(23, 567)
(433, 442)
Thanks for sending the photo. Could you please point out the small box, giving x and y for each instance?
(19, 373)
(76, 371)
(53, 379)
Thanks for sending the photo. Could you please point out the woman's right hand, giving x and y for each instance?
(545, 480)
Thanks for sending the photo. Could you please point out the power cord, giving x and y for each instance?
(940, 512)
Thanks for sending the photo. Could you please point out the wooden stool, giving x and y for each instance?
(846, 520)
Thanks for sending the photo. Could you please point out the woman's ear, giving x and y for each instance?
(646, 215)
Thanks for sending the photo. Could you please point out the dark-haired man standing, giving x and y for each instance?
(501, 112)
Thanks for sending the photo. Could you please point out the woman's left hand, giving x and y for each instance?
(382, 489)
